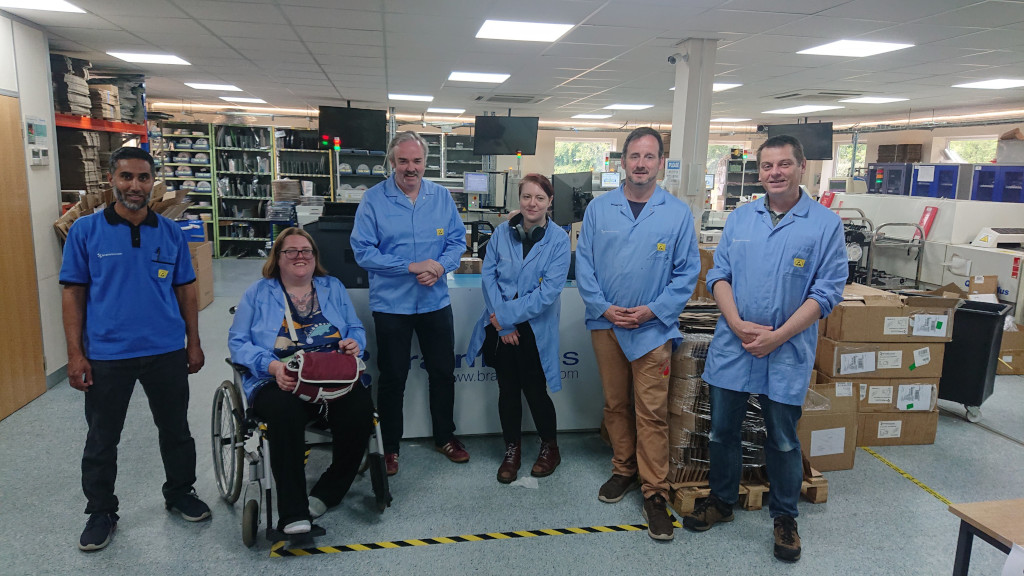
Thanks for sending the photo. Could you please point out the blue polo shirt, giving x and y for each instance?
(130, 271)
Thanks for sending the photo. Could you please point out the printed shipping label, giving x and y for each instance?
(826, 442)
(914, 397)
(880, 395)
(922, 356)
(844, 389)
(863, 392)
(895, 325)
(890, 359)
(857, 363)
(890, 429)
(930, 325)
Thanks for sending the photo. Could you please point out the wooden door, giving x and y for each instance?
(22, 372)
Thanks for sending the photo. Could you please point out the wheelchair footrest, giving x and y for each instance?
(295, 539)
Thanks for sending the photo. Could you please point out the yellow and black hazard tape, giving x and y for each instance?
(278, 550)
(906, 475)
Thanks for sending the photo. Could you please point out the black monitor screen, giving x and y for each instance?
(355, 127)
(572, 194)
(505, 135)
(815, 138)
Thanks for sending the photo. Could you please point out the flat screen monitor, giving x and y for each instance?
(572, 194)
(496, 135)
(837, 184)
(476, 182)
(609, 179)
(709, 181)
(355, 127)
(815, 138)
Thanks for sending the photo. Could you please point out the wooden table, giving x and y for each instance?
(998, 522)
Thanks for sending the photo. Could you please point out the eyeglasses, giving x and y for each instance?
(292, 253)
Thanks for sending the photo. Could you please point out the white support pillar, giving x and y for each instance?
(691, 119)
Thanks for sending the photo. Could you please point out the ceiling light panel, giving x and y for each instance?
(997, 84)
(592, 116)
(802, 109)
(723, 86)
(220, 87)
(43, 5)
(628, 106)
(411, 97)
(724, 120)
(243, 99)
(149, 58)
(483, 77)
(854, 48)
(522, 31)
(446, 110)
(873, 100)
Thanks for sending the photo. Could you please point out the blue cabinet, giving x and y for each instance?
(996, 183)
(943, 181)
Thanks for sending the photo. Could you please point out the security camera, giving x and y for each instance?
(676, 57)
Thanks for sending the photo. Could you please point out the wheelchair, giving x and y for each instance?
(238, 441)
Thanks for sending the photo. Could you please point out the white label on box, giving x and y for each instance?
(863, 391)
(844, 389)
(1007, 359)
(895, 325)
(880, 395)
(930, 325)
(826, 442)
(890, 429)
(915, 397)
(1014, 565)
(857, 363)
(922, 356)
(890, 359)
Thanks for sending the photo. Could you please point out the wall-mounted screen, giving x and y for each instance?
(355, 127)
(815, 138)
(496, 135)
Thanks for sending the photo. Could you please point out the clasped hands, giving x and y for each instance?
(427, 272)
(757, 339)
(628, 318)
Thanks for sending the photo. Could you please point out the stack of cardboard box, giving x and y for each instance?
(828, 426)
(886, 351)
(707, 262)
(79, 152)
(106, 104)
(70, 85)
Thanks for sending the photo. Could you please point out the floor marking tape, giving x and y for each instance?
(278, 550)
(923, 486)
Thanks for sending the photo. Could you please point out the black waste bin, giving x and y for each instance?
(969, 363)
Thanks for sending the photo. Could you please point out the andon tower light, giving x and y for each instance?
(325, 140)
(337, 144)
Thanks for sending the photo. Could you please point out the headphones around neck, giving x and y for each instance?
(519, 234)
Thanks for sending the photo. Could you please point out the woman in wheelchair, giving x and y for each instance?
(322, 318)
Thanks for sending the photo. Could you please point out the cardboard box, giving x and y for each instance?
(828, 430)
(1011, 352)
(469, 265)
(574, 235)
(880, 359)
(897, 429)
(870, 315)
(982, 285)
(202, 263)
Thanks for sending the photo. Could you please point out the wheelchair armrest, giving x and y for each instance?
(238, 368)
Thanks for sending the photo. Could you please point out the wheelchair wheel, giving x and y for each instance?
(379, 480)
(250, 522)
(226, 426)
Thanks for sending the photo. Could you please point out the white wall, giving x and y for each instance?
(25, 69)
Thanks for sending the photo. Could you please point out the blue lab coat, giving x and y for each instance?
(650, 260)
(773, 271)
(390, 233)
(538, 280)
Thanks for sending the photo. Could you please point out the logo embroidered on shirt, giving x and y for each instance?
(661, 246)
(798, 262)
(161, 273)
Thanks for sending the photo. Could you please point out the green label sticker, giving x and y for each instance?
(938, 324)
(912, 366)
(910, 406)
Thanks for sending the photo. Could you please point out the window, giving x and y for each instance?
(974, 149)
(581, 155)
(844, 155)
(715, 154)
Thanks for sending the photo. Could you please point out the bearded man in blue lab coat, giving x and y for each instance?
(636, 266)
(780, 267)
(408, 236)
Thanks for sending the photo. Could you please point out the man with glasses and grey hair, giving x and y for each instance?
(408, 235)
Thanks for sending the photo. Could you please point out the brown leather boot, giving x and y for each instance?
(509, 468)
(547, 460)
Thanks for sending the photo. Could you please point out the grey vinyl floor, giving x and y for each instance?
(875, 520)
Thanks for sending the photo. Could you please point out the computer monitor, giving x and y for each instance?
(609, 179)
(476, 182)
(709, 181)
(572, 194)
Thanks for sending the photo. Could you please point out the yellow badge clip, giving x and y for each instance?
(440, 231)
(161, 273)
(798, 262)
(661, 247)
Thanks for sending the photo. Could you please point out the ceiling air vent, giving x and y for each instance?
(818, 95)
(512, 98)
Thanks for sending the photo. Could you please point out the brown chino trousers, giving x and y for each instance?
(636, 410)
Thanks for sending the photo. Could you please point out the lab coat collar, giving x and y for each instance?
(619, 199)
(537, 247)
(391, 189)
(799, 210)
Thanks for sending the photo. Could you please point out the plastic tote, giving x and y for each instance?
(969, 364)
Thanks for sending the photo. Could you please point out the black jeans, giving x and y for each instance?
(164, 378)
(350, 419)
(520, 371)
(436, 334)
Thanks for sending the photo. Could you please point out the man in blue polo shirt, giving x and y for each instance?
(130, 314)
(408, 236)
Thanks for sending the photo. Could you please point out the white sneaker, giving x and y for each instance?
(317, 508)
(298, 527)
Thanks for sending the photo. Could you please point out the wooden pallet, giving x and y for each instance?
(685, 496)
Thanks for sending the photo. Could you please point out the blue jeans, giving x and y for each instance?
(436, 334)
(781, 447)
